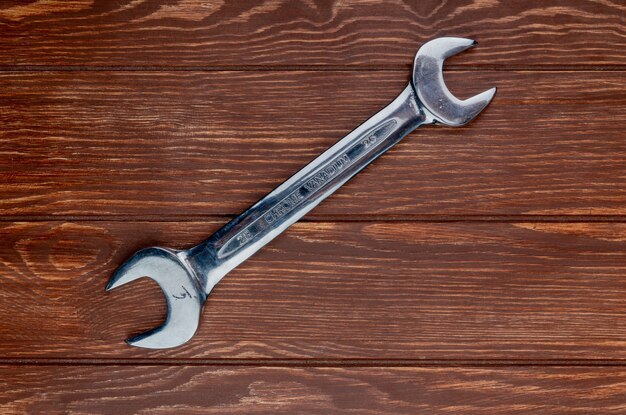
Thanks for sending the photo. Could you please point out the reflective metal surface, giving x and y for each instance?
(187, 277)
(431, 88)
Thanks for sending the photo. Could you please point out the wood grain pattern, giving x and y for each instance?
(581, 33)
(329, 290)
(448, 278)
(226, 390)
(189, 144)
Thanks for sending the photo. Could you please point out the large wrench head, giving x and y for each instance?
(179, 284)
(431, 88)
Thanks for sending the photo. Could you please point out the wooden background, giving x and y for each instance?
(476, 270)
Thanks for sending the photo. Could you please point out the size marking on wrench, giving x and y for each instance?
(187, 277)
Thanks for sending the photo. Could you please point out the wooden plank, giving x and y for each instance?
(329, 291)
(286, 33)
(311, 390)
(190, 144)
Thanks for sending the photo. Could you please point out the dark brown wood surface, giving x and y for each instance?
(472, 270)
(302, 390)
(330, 290)
(143, 144)
(370, 34)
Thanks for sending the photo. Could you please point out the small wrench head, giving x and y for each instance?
(184, 297)
(431, 88)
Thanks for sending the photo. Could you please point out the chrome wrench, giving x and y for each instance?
(187, 277)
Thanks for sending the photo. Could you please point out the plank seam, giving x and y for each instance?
(310, 362)
(334, 218)
(304, 68)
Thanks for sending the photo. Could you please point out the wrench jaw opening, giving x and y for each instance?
(431, 89)
(183, 296)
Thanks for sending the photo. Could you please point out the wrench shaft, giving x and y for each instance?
(270, 216)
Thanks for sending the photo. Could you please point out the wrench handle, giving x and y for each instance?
(270, 216)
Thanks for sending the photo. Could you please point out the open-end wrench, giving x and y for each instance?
(187, 277)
